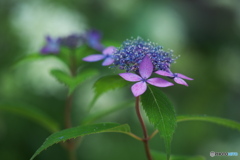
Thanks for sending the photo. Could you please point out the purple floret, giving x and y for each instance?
(145, 71)
(106, 55)
(177, 77)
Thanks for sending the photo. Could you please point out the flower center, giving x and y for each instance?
(132, 52)
(175, 75)
(144, 79)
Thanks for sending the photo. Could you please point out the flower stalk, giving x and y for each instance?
(68, 106)
(145, 138)
(71, 144)
(67, 112)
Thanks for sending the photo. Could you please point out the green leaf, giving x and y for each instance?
(91, 118)
(106, 84)
(75, 132)
(216, 120)
(62, 77)
(33, 57)
(160, 156)
(160, 113)
(27, 58)
(72, 82)
(31, 113)
(83, 76)
(84, 51)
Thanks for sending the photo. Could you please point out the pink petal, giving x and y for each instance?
(93, 58)
(159, 82)
(130, 77)
(164, 73)
(107, 61)
(183, 76)
(139, 88)
(146, 67)
(180, 81)
(109, 50)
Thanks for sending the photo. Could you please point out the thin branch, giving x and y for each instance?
(135, 137)
(153, 134)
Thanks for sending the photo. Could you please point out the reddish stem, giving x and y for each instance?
(145, 134)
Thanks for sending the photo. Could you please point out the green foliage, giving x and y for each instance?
(75, 132)
(106, 84)
(30, 57)
(65, 56)
(84, 51)
(37, 56)
(216, 120)
(70, 81)
(161, 156)
(62, 77)
(98, 115)
(111, 43)
(160, 113)
(31, 113)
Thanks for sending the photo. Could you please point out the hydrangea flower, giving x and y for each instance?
(131, 53)
(52, 46)
(145, 71)
(177, 77)
(92, 38)
(106, 55)
(129, 56)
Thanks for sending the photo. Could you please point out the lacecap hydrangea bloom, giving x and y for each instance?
(136, 54)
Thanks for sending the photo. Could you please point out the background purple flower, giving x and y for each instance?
(106, 55)
(92, 38)
(72, 41)
(145, 71)
(52, 46)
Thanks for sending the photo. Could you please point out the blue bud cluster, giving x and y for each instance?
(132, 51)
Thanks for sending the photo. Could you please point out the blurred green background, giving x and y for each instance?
(205, 33)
